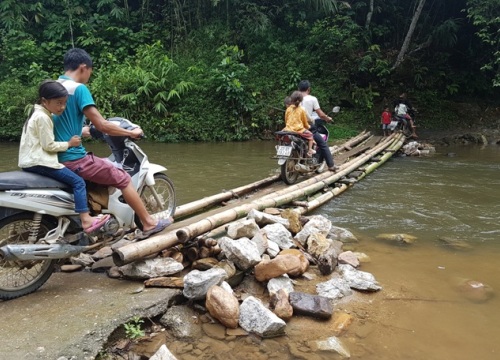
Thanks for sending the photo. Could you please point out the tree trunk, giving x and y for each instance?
(409, 34)
(369, 15)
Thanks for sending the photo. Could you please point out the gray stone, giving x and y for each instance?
(260, 240)
(151, 268)
(333, 344)
(163, 353)
(181, 321)
(244, 228)
(273, 249)
(341, 234)
(278, 283)
(256, 318)
(334, 289)
(359, 280)
(316, 224)
(280, 235)
(243, 252)
(311, 305)
(197, 283)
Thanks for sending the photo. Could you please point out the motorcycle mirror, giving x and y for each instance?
(336, 109)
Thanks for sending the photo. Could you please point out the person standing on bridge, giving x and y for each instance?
(311, 105)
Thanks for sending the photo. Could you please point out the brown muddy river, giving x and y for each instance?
(421, 312)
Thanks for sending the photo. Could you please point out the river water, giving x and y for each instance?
(421, 313)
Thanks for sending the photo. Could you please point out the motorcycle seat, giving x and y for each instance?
(281, 133)
(19, 180)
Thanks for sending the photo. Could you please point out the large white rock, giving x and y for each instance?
(243, 228)
(359, 280)
(334, 289)
(256, 318)
(316, 224)
(197, 283)
(243, 252)
(280, 235)
(151, 268)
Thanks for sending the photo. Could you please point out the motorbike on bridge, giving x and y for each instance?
(39, 227)
(292, 149)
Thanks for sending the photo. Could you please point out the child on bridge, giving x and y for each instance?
(296, 120)
(38, 150)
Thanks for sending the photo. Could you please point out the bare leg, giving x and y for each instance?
(134, 201)
(87, 220)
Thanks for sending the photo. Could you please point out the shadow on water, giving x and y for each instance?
(421, 313)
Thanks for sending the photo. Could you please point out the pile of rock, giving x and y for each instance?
(269, 249)
(414, 148)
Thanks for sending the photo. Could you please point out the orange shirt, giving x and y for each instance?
(296, 119)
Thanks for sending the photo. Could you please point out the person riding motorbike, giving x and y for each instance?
(311, 105)
(78, 69)
(405, 112)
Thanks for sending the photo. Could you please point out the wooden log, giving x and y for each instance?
(193, 254)
(207, 242)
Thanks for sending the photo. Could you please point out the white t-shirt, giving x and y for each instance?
(310, 104)
(401, 109)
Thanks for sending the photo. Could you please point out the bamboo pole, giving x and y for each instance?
(325, 197)
(194, 206)
(135, 251)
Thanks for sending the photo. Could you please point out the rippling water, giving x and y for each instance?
(420, 313)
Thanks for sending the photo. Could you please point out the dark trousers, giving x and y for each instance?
(324, 150)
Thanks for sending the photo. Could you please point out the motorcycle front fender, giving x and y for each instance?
(153, 169)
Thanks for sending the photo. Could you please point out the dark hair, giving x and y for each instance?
(287, 101)
(50, 89)
(296, 98)
(75, 57)
(304, 85)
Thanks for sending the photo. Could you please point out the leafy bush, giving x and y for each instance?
(16, 100)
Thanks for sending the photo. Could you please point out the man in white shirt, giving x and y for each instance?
(311, 105)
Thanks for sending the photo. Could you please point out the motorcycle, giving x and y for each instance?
(401, 124)
(39, 227)
(292, 149)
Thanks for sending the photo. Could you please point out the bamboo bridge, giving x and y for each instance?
(207, 217)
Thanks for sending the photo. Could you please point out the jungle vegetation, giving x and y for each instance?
(218, 70)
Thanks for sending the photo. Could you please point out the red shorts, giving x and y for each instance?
(98, 170)
(307, 135)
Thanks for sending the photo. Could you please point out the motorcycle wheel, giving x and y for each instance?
(288, 173)
(19, 278)
(163, 190)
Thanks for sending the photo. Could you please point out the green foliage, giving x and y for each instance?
(141, 88)
(219, 70)
(485, 15)
(15, 103)
(133, 328)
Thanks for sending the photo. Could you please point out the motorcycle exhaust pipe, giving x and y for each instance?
(301, 168)
(39, 251)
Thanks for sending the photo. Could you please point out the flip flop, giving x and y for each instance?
(160, 226)
(98, 222)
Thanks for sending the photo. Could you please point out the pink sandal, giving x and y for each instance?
(98, 222)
